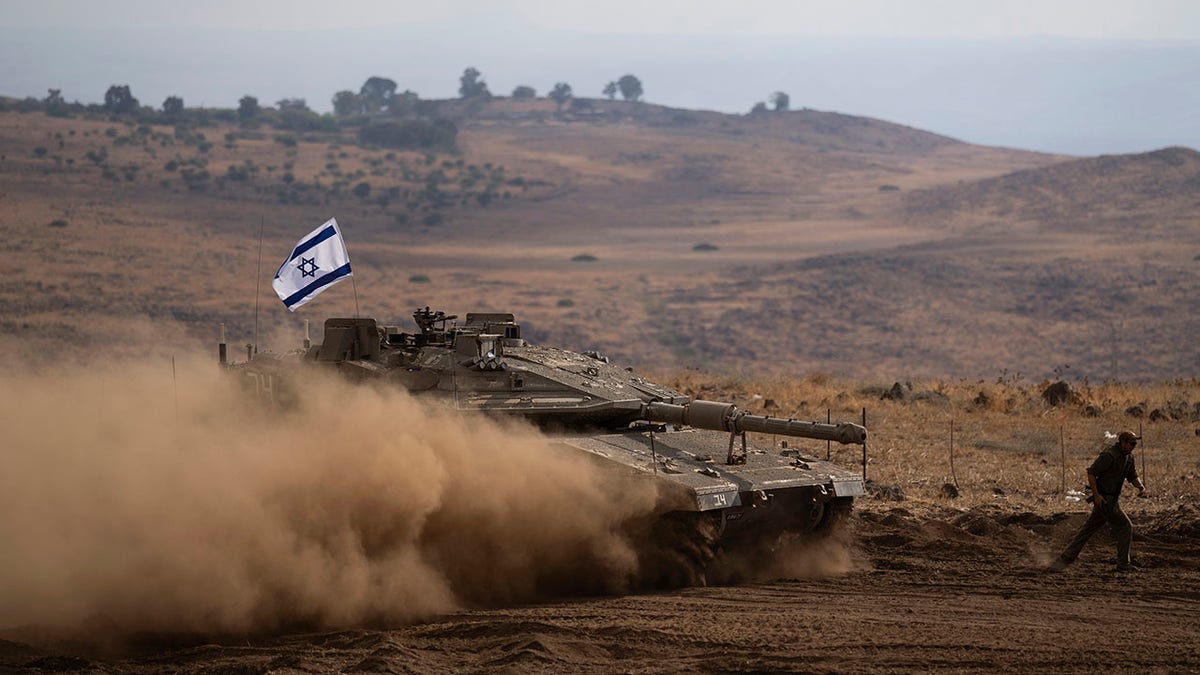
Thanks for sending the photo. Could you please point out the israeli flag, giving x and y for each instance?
(319, 261)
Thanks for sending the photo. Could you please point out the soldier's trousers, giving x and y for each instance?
(1110, 512)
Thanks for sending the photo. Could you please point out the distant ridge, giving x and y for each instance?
(820, 129)
(1095, 192)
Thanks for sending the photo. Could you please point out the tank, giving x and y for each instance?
(722, 494)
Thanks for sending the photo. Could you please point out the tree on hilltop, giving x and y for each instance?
(118, 99)
(404, 104)
(346, 103)
(780, 101)
(172, 108)
(294, 114)
(54, 104)
(524, 91)
(248, 108)
(470, 86)
(560, 94)
(376, 94)
(631, 88)
(610, 91)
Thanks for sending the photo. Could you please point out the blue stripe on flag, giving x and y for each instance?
(305, 246)
(330, 278)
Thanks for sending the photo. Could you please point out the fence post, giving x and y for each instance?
(1062, 444)
(864, 423)
(953, 474)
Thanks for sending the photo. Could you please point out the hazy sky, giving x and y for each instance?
(1139, 19)
(1078, 76)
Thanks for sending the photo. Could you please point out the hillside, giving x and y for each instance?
(1147, 196)
(801, 241)
(1089, 263)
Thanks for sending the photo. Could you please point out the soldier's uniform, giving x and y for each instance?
(1111, 469)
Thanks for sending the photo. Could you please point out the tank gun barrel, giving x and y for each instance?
(728, 417)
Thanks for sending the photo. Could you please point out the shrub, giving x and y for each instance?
(57, 223)
(362, 190)
(195, 180)
(584, 257)
(565, 302)
(418, 279)
(705, 247)
(411, 135)
(889, 188)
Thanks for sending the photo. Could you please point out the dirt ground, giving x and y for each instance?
(929, 587)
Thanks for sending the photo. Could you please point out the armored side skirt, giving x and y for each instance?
(769, 491)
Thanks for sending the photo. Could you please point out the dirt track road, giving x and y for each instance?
(937, 589)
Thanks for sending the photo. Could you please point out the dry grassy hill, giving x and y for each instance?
(1140, 197)
(801, 241)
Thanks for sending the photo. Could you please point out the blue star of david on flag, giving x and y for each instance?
(308, 268)
(318, 261)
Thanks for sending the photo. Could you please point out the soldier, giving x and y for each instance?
(1107, 475)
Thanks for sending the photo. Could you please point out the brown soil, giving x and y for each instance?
(930, 588)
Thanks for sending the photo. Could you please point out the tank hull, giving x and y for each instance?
(770, 491)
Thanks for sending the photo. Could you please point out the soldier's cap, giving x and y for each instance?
(1128, 436)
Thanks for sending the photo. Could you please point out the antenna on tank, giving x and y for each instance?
(258, 280)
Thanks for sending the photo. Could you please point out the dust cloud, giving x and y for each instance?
(802, 557)
(792, 556)
(132, 503)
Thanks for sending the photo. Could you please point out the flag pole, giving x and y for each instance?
(258, 279)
